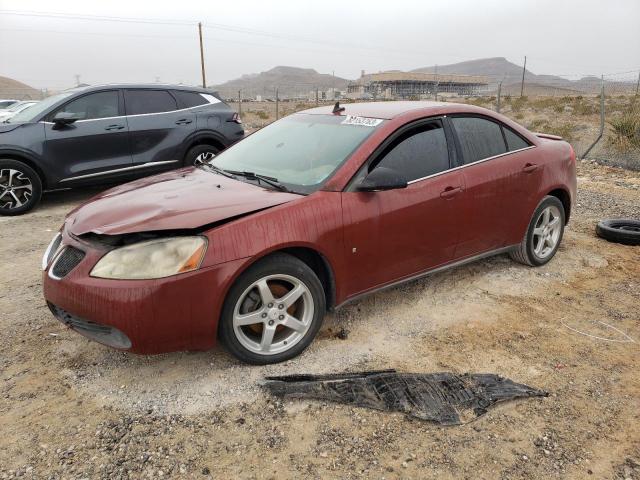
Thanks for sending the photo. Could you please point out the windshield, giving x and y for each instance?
(36, 110)
(301, 151)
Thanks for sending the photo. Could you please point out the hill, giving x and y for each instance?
(291, 81)
(498, 69)
(10, 88)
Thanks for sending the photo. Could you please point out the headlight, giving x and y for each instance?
(152, 259)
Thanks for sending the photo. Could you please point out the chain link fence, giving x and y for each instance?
(599, 116)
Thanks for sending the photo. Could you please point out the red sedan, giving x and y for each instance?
(303, 216)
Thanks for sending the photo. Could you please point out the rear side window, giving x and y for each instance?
(189, 99)
(479, 138)
(418, 153)
(149, 101)
(93, 106)
(514, 141)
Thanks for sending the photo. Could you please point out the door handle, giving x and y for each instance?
(114, 127)
(450, 192)
(530, 167)
(183, 121)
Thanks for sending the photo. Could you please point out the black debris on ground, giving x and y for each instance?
(444, 398)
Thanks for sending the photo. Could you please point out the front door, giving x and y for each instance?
(94, 145)
(394, 234)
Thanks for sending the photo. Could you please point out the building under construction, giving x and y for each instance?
(413, 85)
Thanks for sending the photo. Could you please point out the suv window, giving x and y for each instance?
(189, 99)
(149, 101)
(479, 138)
(514, 141)
(93, 105)
(418, 153)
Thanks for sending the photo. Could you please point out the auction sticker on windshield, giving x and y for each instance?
(364, 121)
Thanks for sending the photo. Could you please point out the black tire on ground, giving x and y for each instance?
(525, 252)
(619, 230)
(276, 264)
(193, 156)
(20, 187)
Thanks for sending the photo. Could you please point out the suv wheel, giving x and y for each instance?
(544, 234)
(200, 154)
(273, 311)
(20, 187)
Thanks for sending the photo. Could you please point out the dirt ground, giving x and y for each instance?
(70, 408)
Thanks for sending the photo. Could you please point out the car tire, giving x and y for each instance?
(619, 230)
(543, 237)
(291, 328)
(20, 187)
(200, 154)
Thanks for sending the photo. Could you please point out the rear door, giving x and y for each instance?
(390, 235)
(94, 145)
(499, 184)
(158, 127)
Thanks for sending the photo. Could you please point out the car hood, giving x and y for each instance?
(181, 199)
(7, 127)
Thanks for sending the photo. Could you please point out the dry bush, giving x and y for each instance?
(262, 115)
(626, 130)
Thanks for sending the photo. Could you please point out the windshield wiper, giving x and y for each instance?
(261, 178)
(217, 170)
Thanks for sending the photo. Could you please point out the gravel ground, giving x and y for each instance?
(70, 408)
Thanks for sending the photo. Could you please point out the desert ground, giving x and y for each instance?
(73, 409)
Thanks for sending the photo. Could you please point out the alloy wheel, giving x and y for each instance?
(273, 314)
(204, 157)
(547, 231)
(16, 188)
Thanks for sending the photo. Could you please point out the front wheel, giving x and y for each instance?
(544, 234)
(273, 311)
(20, 187)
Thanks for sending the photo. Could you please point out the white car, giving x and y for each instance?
(6, 103)
(14, 109)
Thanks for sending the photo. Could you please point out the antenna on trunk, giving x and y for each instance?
(337, 108)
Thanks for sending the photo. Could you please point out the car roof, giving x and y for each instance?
(144, 86)
(389, 110)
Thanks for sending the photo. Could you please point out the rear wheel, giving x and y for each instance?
(20, 187)
(200, 154)
(544, 234)
(273, 311)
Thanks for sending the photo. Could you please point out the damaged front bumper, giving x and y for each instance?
(140, 316)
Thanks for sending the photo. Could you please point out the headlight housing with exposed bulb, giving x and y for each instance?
(150, 259)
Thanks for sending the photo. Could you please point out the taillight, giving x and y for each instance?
(235, 118)
(572, 155)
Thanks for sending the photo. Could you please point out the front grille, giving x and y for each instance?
(67, 261)
(54, 248)
(95, 331)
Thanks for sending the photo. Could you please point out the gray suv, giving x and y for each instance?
(106, 134)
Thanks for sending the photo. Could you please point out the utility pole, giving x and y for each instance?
(498, 98)
(240, 103)
(637, 84)
(204, 79)
(316, 96)
(277, 100)
(437, 83)
(524, 69)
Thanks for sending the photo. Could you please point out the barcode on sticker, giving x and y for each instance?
(364, 121)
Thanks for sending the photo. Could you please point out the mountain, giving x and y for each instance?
(291, 82)
(498, 69)
(10, 88)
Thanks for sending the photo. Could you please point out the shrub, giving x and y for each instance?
(626, 130)
(262, 115)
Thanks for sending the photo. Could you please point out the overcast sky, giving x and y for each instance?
(569, 38)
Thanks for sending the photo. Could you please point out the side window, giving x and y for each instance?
(148, 101)
(189, 99)
(94, 105)
(479, 138)
(514, 141)
(418, 153)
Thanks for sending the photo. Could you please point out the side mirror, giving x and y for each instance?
(382, 178)
(62, 119)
